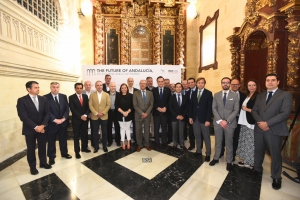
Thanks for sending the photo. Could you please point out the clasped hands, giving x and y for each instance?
(224, 124)
(207, 123)
(263, 125)
(164, 109)
(40, 129)
(59, 121)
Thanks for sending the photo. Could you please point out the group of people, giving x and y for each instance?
(244, 124)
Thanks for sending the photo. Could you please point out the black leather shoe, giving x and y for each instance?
(51, 161)
(78, 155)
(207, 158)
(105, 149)
(276, 183)
(34, 171)
(109, 144)
(191, 148)
(213, 162)
(229, 167)
(46, 166)
(67, 156)
(196, 154)
(253, 172)
(86, 150)
(96, 150)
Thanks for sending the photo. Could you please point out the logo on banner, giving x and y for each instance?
(162, 71)
(90, 72)
(173, 71)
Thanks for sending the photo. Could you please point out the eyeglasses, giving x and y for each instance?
(226, 83)
(235, 84)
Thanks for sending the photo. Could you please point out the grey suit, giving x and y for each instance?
(142, 107)
(275, 113)
(226, 112)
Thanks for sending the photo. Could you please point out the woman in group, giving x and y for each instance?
(124, 106)
(246, 141)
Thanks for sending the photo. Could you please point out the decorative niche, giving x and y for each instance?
(208, 43)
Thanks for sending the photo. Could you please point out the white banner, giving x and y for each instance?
(120, 73)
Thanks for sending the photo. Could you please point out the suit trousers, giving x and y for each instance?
(191, 135)
(80, 129)
(228, 133)
(41, 138)
(160, 120)
(139, 131)
(202, 132)
(112, 120)
(274, 142)
(54, 131)
(170, 130)
(178, 131)
(95, 131)
(236, 137)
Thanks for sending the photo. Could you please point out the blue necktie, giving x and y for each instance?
(160, 93)
(178, 100)
(269, 97)
(144, 96)
(224, 98)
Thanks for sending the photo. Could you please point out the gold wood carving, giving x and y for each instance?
(140, 9)
(235, 58)
(124, 43)
(263, 3)
(293, 50)
(168, 25)
(169, 3)
(180, 35)
(268, 24)
(168, 11)
(156, 36)
(112, 24)
(110, 1)
(99, 31)
(272, 56)
(252, 16)
(112, 9)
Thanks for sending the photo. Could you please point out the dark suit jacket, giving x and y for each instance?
(250, 105)
(124, 102)
(30, 116)
(161, 102)
(242, 98)
(149, 88)
(203, 109)
(104, 87)
(55, 113)
(76, 108)
(275, 113)
(174, 108)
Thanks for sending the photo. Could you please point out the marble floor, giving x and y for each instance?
(125, 174)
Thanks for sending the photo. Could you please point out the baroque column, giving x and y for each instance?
(156, 35)
(99, 39)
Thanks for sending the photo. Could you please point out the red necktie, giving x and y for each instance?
(80, 99)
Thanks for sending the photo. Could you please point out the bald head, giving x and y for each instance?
(130, 82)
(87, 86)
(112, 87)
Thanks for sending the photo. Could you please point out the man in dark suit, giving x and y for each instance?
(185, 89)
(33, 111)
(149, 83)
(200, 111)
(161, 96)
(58, 122)
(178, 109)
(225, 108)
(79, 105)
(235, 87)
(107, 82)
(142, 104)
(271, 111)
(192, 86)
(112, 117)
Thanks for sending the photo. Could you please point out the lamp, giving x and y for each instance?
(86, 8)
(192, 12)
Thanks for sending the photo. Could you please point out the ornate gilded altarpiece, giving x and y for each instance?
(268, 42)
(140, 32)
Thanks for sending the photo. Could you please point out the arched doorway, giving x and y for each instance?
(256, 52)
(141, 46)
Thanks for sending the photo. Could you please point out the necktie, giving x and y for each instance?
(144, 96)
(178, 100)
(199, 95)
(56, 101)
(160, 93)
(80, 99)
(269, 97)
(224, 98)
(36, 103)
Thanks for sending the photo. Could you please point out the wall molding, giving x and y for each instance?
(23, 71)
